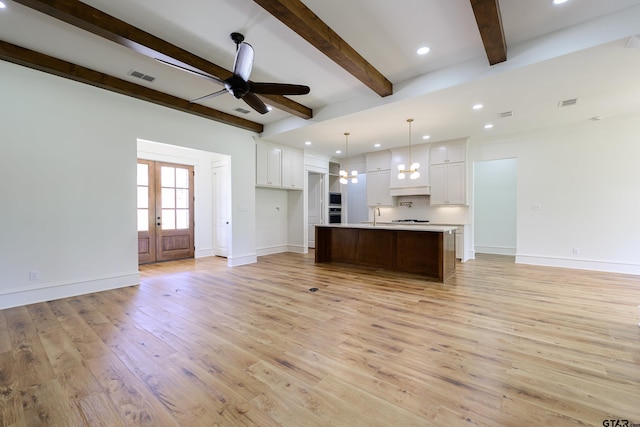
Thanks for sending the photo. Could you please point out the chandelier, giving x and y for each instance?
(413, 167)
(344, 175)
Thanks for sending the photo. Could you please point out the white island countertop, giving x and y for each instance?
(388, 226)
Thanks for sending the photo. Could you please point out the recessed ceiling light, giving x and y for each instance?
(2, 5)
(376, 145)
(423, 50)
(338, 152)
(269, 108)
(307, 143)
(559, 1)
(488, 126)
(477, 106)
(426, 136)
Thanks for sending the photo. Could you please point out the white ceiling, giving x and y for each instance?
(574, 50)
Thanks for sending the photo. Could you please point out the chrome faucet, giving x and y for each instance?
(374, 215)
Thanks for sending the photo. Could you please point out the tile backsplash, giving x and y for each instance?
(418, 207)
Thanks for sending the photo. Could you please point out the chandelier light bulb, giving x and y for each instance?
(414, 175)
(343, 180)
(354, 180)
(401, 167)
(401, 175)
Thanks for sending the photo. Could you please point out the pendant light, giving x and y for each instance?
(344, 175)
(413, 167)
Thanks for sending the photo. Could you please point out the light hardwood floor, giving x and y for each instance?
(201, 344)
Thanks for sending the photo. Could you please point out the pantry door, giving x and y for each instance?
(165, 211)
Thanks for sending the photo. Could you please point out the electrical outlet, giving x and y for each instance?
(576, 251)
(34, 275)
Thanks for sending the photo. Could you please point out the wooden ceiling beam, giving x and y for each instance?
(48, 64)
(298, 17)
(90, 19)
(489, 22)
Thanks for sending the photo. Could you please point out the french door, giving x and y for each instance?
(165, 211)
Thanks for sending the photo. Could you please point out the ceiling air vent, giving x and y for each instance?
(242, 110)
(567, 102)
(142, 76)
(505, 114)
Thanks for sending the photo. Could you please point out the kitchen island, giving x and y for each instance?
(427, 250)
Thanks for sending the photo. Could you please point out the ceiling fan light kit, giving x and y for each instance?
(413, 167)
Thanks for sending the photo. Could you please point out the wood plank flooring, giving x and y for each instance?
(201, 344)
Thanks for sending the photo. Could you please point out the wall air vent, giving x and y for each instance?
(567, 102)
(142, 76)
(242, 110)
(505, 114)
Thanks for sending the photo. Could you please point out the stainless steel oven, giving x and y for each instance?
(335, 215)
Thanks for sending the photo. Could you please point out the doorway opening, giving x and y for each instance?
(495, 208)
(165, 211)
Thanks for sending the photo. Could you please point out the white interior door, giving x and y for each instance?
(315, 205)
(222, 178)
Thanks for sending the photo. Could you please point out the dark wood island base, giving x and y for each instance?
(428, 251)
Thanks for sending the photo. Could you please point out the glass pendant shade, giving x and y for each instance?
(413, 169)
(344, 175)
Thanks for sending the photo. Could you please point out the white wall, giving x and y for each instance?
(494, 210)
(584, 178)
(67, 183)
(272, 219)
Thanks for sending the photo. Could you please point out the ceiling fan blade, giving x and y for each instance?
(244, 61)
(256, 103)
(211, 95)
(278, 89)
(193, 71)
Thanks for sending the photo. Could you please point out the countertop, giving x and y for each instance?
(395, 226)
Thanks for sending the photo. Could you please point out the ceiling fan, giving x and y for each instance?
(239, 84)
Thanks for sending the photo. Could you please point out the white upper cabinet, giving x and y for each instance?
(448, 173)
(378, 161)
(292, 169)
(407, 186)
(378, 189)
(268, 165)
(448, 152)
(279, 167)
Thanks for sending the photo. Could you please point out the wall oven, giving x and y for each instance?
(335, 215)
(335, 199)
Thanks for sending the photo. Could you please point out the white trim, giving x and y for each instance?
(495, 250)
(203, 253)
(269, 250)
(581, 264)
(36, 294)
(241, 260)
(298, 249)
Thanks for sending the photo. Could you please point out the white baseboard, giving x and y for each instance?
(269, 250)
(495, 250)
(278, 249)
(48, 292)
(241, 260)
(203, 253)
(580, 264)
(298, 249)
